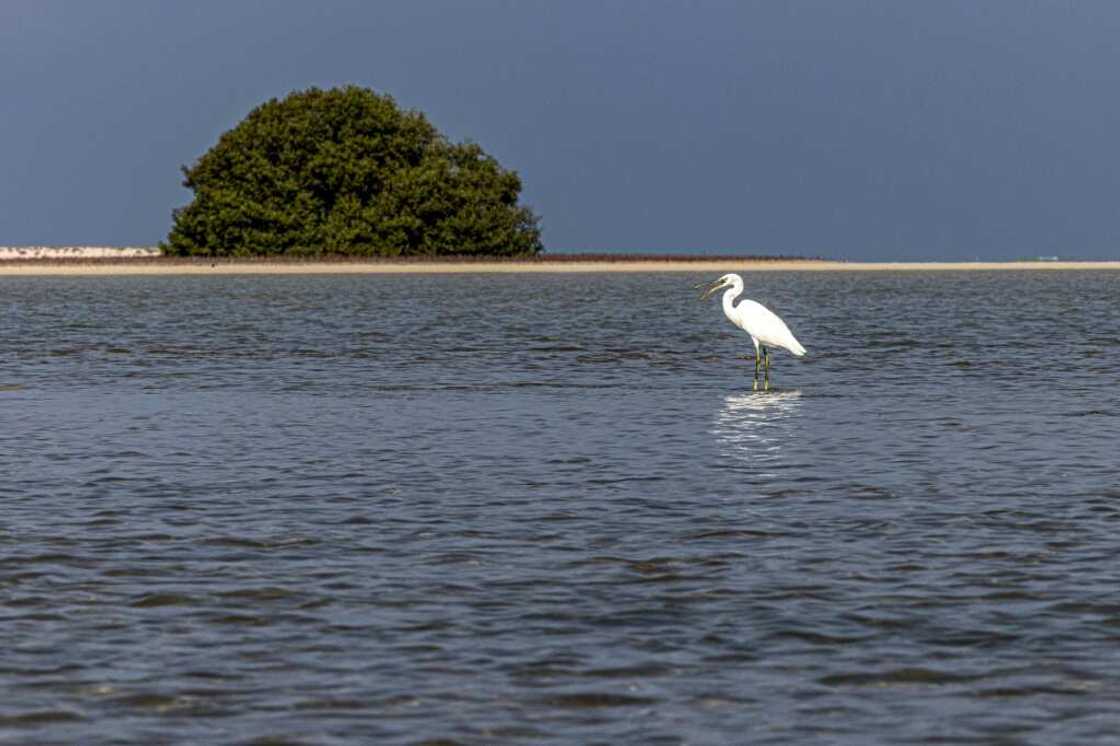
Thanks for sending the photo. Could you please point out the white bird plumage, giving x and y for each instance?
(765, 327)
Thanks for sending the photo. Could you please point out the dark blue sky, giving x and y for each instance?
(842, 128)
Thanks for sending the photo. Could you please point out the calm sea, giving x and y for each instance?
(549, 509)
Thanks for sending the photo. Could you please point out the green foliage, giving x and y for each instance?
(345, 171)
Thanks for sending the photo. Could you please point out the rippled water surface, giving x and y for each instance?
(490, 509)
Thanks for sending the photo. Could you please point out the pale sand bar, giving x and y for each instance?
(716, 266)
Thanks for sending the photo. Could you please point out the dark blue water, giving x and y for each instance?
(491, 509)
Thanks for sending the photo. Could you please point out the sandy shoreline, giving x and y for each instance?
(95, 268)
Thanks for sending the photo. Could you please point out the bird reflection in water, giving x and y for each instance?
(753, 427)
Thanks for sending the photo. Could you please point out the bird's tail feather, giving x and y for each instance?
(797, 349)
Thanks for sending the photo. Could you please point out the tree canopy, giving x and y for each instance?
(347, 171)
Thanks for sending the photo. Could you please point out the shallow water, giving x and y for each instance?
(549, 509)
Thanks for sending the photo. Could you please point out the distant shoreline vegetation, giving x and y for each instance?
(79, 253)
(154, 256)
(346, 172)
(13, 263)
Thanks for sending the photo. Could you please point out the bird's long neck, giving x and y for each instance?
(729, 297)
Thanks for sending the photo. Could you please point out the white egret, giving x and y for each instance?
(764, 326)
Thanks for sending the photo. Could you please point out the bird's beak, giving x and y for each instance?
(711, 289)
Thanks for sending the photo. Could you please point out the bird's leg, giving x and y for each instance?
(766, 366)
(756, 362)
